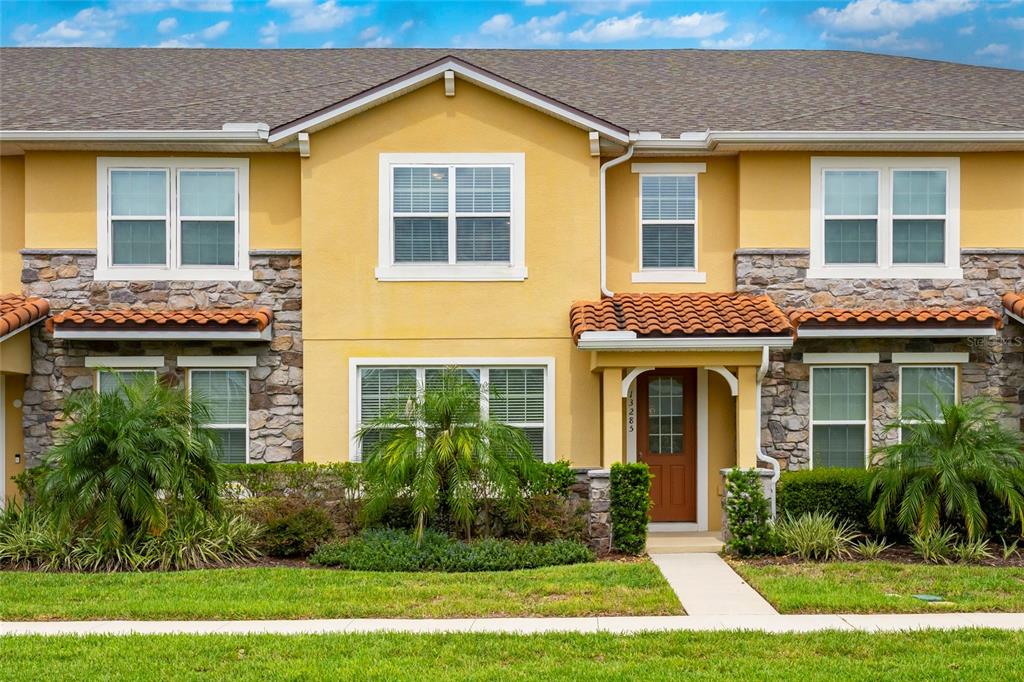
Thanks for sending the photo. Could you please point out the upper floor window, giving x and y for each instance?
(668, 222)
(181, 218)
(885, 218)
(452, 216)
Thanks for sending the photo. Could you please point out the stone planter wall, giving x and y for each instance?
(996, 367)
(594, 486)
(65, 279)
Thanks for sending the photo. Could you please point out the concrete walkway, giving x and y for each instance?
(707, 586)
(615, 625)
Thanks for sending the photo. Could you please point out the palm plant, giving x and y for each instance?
(438, 450)
(127, 460)
(936, 472)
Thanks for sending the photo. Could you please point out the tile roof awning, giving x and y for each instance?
(679, 322)
(950, 322)
(1014, 305)
(237, 324)
(18, 312)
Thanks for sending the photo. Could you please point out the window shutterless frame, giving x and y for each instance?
(668, 272)
(885, 268)
(171, 269)
(841, 422)
(180, 218)
(390, 270)
(120, 370)
(956, 389)
(219, 426)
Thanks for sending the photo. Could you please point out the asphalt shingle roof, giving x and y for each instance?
(669, 91)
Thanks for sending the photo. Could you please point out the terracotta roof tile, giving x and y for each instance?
(1014, 304)
(868, 317)
(656, 315)
(16, 311)
(120, 318)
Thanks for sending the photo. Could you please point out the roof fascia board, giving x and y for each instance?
(616, 341)
(24, 327)
(419, 78)
(161, 335)
(710, 139)
(909, 333)
(225, 136)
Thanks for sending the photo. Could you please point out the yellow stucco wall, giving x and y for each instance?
(60, 199)
(716, 225)
(347, 312)
(721, 443)
(14, 389)
(12, 221)
(775, 195)
(16, 353)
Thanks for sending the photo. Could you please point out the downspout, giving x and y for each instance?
(761, 456)
(604, 218)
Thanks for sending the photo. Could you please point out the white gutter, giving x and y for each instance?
(604, 217)
(762, 371)
(232, 132)
(191, 335)
(629, 341)
(949, 333)
(710, 139)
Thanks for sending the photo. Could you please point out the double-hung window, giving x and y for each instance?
(226, 394)
(114, 380)
(452, 216)
(178, 218)
(885, 217)
(840, 424)
(924, 389)
(519, 395)
(668, 222)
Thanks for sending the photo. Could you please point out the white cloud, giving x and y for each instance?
(536, 30)
(269, 34)
(215, 31)
(604, 6)
(167, 25)
(891, 41)
(199, 38)
(738, 41)
(966, 30)
(89, 27)
(883, 15)
(151, 6)
(696, 25)
(310, 16)
(998, 50)
(406, 25)
(379, 41)
(1016, 22)
(369, 33)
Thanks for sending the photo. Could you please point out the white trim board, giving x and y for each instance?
(930, 358)
(909, 333)
(669, 168)
(627, 340)
(841, 358)
(124, 361)
(217, 361)
(194, 335)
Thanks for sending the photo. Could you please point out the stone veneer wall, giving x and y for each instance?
(996, 367)
(594, 486)
(65, 279)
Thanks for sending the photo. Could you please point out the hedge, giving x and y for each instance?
(748, 515)
(630, 504)
(840, 492)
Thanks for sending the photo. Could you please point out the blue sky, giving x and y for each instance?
(972, 31)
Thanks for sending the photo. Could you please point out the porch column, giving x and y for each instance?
(611, 417)
(747, 418)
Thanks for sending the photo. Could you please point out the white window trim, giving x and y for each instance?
(841, 358)
(226, 426)
(885, 268)
(389, 271)
(105, 270)
(841, 422)
(124, 361)
(217, 361)
(930, 358)
(669, 275)
(931, 365)
(122, 369)
(355, 364)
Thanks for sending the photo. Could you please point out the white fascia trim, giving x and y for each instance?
(193, 335)
(22, 328)
(668, 168)
(619, 341)
(228, 135)
(841, 358)
(930, 358)
(218, 361)
(1015, 317)
(435, 72)
(670, 276)
(708, 140)
(124, 361)
(934, 333)
(449, 273)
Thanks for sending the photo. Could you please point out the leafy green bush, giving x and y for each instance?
(748, 515)
(971, 551)
(871, 548)
(291, 526)
(630, 505)
(553, 478)
(816, 536)
(393, 550)
(934, 546)
(548, 517)
(843, 493)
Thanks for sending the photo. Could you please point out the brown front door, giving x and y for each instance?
(667, 441)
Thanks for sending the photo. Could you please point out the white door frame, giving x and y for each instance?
(702, 453)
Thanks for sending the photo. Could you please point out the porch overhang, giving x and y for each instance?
(230, 324)
(629, 341)
(932, 322)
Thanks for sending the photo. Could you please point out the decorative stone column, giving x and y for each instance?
(594, 486)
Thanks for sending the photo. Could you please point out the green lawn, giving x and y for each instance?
(884, 587)
(959, 655)
(601, 588)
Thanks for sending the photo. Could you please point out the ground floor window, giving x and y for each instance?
(924, 389)
(839, 417)
(226, 392)
(114, 380)
(515, 395)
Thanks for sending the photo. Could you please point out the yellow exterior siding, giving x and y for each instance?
(14, 390)
(348, 313)
(12, 221)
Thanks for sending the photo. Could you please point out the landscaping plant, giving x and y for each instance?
(438, 450)
(748, 514)
(971, 551)
(871, 548)
(934, 476)
(934, 546)
(1008, 550)
(630, 504)
(840, 492)
(816, 536)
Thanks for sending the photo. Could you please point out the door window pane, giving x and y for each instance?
(665, 415)
(926, 388)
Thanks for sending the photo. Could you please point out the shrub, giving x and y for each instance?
(548, 517)
(291, 527)
(871, 548)
(630, 505)
(393, 550)
(935, 546)
(843, 493)
(554, 478)
(971, 551)
(748, 514)
(816, 536)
